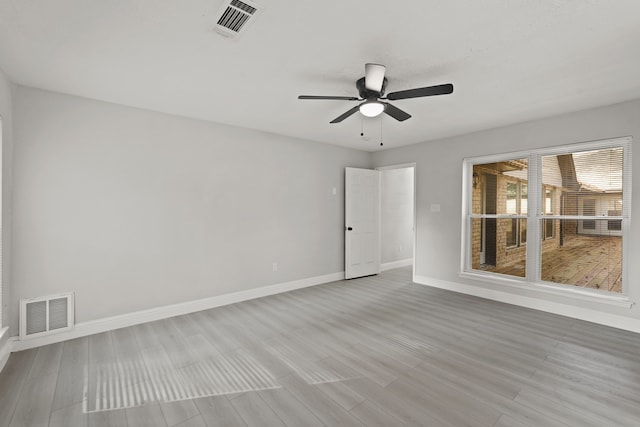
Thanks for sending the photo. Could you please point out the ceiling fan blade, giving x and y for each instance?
(422, 91)
(395, 112)
(345, 115)
(338, 98)
(373, 77)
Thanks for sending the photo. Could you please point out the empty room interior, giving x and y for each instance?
(278, 213)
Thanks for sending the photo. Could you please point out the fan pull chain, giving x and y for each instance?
(381, 144)
(361, 126)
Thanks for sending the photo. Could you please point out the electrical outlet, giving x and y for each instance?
(275, 266)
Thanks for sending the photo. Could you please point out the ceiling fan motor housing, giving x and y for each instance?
(366, 93)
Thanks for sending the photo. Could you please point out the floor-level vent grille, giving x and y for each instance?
(46, 315)
(234, 16)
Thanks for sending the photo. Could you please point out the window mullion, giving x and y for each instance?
(534, 214)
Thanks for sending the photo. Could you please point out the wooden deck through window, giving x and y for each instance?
(593, 262)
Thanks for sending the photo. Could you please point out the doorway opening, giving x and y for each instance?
(397, 216)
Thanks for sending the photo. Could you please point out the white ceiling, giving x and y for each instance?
(509, 60)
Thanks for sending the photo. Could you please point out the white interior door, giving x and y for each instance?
(362, 222)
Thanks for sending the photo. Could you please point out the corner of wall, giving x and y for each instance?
(7, 91)
(5, 347)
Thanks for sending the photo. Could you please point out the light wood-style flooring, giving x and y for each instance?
(593, 262)
(375, 351)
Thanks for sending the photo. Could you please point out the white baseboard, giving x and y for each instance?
(396, 264)
(116, 322)
(5, 347)
(589, 315)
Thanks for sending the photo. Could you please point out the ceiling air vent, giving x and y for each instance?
(234, 16)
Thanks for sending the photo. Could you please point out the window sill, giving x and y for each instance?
(560, 290)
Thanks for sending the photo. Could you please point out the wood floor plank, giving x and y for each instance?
(101, 348)
(451, 408)
(145, 335)
(560, 411)
(125, 344)
(394, 404)
(115, 418)
(70, 386)
(217, 411)
(329, 412)
(195, 421)
(47, 361)
(507, 421)
(72, 375)
(145, 416)
(255, 411)
(341, 394)
(373, 351)
(40, 389)
(178, 412)
(372, 416)
(75, 353)
(290, 410)
(505, 405)
(71, 415)
(12, 379)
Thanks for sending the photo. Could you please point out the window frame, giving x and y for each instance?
(536, 217)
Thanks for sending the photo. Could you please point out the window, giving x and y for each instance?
(615, 224)
(517, 205)
(556, 216)
(500, 216)
(588, 209)
(549, 209)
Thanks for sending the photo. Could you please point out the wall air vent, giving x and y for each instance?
(234, 16)
(46, 315)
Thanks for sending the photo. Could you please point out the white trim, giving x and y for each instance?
(122, 321)
(5, 347)
(396, 264)
(589, 315)
(574, 292)
(553, 150)
(400, 166)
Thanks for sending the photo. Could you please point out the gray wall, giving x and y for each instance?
(132, 209)
(396, 215)
(7, 142)
(439, 181)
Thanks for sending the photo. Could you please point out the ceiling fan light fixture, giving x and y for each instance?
(371, 108)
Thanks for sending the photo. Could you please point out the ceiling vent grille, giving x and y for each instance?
(46, 315)
(234, 16)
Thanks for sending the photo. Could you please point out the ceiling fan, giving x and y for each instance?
(371, 90)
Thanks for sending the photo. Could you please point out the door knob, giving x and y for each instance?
(349, 228)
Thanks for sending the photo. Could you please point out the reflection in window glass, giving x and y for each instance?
(585, 252)
(584, 184)
(589, 261)
(485, 257)
(499, 245)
